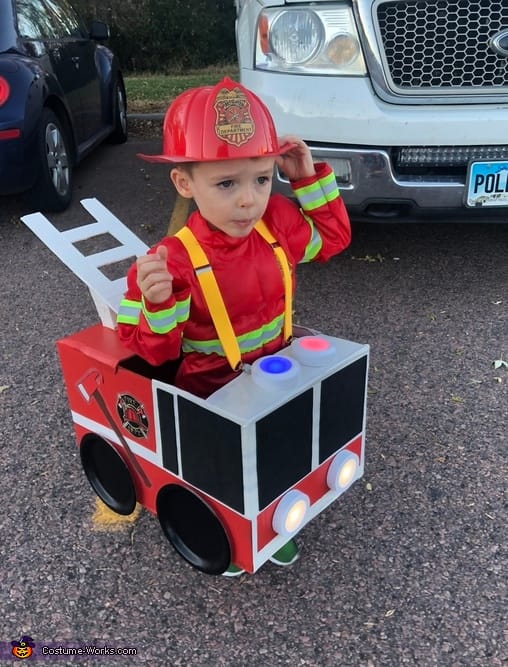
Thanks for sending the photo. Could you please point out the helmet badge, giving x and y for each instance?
(234, 123)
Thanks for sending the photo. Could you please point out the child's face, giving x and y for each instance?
(231, 195)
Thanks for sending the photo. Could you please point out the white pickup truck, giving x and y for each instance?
(406, 99)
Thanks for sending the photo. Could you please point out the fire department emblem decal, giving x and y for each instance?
(132, 415)
(234, 121)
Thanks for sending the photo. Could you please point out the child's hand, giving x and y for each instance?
(154, 279)
(297, 162)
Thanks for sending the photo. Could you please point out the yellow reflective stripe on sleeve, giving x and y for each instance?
(319, 193)
(128, 312)
(314, 245)
(310, 196)
(329, 187)
(164, 321)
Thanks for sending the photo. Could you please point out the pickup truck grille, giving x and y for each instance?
(444, 46)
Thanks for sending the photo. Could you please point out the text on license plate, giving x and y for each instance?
(487, 184)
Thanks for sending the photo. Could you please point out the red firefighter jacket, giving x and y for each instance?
(249, 279)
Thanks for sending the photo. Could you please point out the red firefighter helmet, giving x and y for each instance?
(221, 122)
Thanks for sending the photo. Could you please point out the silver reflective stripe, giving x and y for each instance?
(128, 312)
(247, 342)
(329, 187)
(310, 196)
(164, 321)
(314, 245)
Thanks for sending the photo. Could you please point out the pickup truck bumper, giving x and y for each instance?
(372, 191)
(342, 119)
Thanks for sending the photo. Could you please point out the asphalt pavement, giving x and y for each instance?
(407, 568)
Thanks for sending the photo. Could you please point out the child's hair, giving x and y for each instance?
(184, 166)
(180, 211)
(179, 215)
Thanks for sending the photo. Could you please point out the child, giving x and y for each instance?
(222, 147)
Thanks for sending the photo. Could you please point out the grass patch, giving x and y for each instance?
(152, 93)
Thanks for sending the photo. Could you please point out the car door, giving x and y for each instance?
(80, 51)
(69, 55)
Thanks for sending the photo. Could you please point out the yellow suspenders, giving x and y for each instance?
(280, 255)
(213, 297)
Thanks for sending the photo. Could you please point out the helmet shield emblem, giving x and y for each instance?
(234, 123)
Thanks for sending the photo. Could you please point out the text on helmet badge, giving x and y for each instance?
(234, 121)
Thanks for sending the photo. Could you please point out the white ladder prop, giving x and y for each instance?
(106, 293)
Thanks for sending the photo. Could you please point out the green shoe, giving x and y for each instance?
(286, 555)
(233, 571)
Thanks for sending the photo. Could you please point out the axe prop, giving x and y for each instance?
(88, 387)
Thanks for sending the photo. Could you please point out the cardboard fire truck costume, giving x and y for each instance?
(232, 477)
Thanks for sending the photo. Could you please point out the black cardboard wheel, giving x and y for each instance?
(193, 529)
(108, 474)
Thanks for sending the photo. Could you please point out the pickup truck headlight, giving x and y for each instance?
(302, 40)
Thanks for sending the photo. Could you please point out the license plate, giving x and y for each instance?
(487, 184)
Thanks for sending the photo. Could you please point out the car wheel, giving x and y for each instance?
(119, 134)
(53, 188)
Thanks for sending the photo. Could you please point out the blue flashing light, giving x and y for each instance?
(275, 365)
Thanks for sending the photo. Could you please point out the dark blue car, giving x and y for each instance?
(61, 94)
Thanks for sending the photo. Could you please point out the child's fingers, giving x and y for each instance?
(289, 139)
(154, 261)
(152, 269)
(156, 287)
(149, 264)
(155, 277)
(292, 144)
(162, 251)
(160, 291)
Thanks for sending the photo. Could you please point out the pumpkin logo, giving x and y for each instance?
(24, 648)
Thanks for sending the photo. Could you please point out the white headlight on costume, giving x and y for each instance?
(343, 470)
(290, 513)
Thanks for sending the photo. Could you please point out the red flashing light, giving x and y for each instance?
(315, 344)
(5, 90)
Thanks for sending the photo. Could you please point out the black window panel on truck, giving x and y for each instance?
(342, 407)
(168, 431)
(211, 452)
(284, 447)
